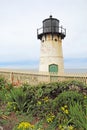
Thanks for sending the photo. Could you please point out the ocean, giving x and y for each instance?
(75, 70)
(36, 70)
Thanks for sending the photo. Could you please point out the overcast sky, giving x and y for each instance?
(19, 20)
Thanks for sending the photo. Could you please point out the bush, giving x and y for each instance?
(52, 90)
(2, 83)
(17, 99)
(2, 96)
(21, 99)
(67, 98)
(78, 117)
(52, 103)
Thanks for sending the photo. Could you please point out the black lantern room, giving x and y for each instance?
(51, 26)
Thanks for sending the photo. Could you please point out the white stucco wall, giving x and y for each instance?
(51, 53)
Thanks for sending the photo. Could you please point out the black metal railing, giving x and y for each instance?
(53, 29)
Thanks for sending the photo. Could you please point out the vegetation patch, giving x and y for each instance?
(52, 106)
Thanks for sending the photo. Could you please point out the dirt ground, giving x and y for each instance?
(10, 121)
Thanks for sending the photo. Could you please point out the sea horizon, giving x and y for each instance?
(66, 70)
(75, 70)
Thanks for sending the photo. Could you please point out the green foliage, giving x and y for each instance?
(78, 116)
(21, 99)
(67, 98)
(39, 125)
(2, 82)
(52, 90)
(4, 88)
(17, 99)
(8, 86)
(3, 93)
(53, 103)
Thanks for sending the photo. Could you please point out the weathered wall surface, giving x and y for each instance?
(33, 78)
(51, 53)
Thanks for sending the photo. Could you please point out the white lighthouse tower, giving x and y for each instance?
(51, 55)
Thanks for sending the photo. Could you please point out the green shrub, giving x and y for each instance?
(21, 99)
(78, 117)
(2, 82)
(67, 98)
(17, 99)
(52, 90)
(3, 96)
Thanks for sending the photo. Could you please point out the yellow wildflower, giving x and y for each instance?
(60, 126)
(14, 108)
(85, 96)
(9, 103)
(66, 111)
(39, 103)
(50, 117)
(65, 106)
(46, 99)
(25, 125)
(62, 108)
(70, 127)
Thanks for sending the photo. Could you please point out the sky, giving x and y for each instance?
(19, 20)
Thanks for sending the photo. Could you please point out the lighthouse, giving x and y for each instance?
(51, 35)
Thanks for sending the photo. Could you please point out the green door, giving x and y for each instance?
(53, 68)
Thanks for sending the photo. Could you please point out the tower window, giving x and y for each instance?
(42, 40)
(56, 40)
